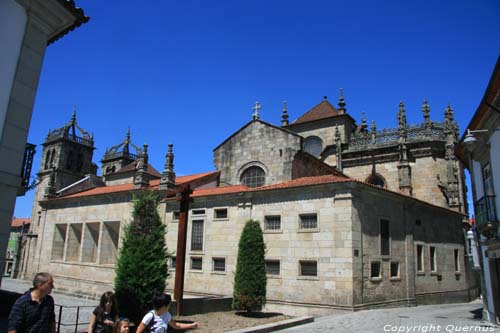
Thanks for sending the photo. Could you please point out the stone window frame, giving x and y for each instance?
(71, 227)
(398, 276)
(198, 212)
(306, 230)
(190, 233)
(433, 259)
(307, 277)
(272, 231)
(191, 264)
(376, 176)
(248, 165)
(97, 246)
(172, 263)
(65, 240)
(213, 271)
(421, 258)
(380, 276)
(318, 140)
(383, 218)
(217, 219)
(120, 235)
(273, 276)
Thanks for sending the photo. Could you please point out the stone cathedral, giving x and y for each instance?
(353, 216)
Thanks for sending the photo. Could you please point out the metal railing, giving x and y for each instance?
(485, 210)
(68, 317)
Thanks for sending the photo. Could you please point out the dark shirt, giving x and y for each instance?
(29, 316)
(100, 326)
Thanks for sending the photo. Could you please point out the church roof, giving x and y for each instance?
(321, 111)
(131, 167)
(77, 12)
(153, 184)
(251, 122)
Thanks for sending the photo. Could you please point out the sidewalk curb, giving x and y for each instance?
(271, 327)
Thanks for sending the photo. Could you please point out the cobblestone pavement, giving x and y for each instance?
(448, 318)
(68, 303)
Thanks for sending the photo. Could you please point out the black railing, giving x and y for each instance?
(29, 153)
(485, 210)
(68, 318)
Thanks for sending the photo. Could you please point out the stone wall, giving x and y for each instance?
(270, 147)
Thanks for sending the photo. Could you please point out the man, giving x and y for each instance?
(33, 312)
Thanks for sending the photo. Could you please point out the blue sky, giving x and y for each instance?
(189, 72)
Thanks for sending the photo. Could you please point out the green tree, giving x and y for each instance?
(141, 268)
(250, 279)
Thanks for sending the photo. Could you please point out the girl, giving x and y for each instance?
(122, 326)
(158, 320)
(103, 319)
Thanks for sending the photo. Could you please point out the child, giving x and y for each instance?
(122, 326)
(158, 320)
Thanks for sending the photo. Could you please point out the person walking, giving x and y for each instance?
(105, 315)
(33, 312)
(159, 319)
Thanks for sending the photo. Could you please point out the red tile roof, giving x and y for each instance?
(321, 111)
(18, 222)
(153, 184)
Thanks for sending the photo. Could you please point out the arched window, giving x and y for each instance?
(254, 176)
(376, 179)
(52, 155)
(313, 145)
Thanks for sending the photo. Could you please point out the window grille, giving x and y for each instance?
(273, 267)
(197, 235)
(254, 176)
(272, 222)
(308, 221)
(308, 268)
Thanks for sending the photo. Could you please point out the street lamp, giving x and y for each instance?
(470, 139)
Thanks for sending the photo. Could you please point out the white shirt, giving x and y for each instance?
(157, 324)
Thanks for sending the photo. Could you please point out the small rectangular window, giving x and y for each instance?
(385, 238)
(394, 269)
(175, 215)
(432, 253)
(196, 263)
(198, 212)
(219, 264)
(272, 222)
(457, 260)
(197, 235)
(273, 267)
(308, 221)
(420, 258)
(220, 213)
(172, 262)
(375, 269)
(308, 268)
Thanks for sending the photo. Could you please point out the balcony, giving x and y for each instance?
(29, 153)
(486, 215)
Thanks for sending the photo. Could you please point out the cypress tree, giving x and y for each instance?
(250, 279)
(141, 268)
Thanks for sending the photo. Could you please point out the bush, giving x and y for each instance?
(250, 279)
(141, 268)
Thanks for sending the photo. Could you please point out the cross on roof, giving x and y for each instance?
(256, 110)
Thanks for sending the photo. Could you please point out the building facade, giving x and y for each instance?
(26, 28)
(349, 220)
(481, 150)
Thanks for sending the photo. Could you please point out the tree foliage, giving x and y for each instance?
(141, 268)
(250, 279)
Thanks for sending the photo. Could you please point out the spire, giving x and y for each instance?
(256, 110)
(141, 178)
(73, 116)
(426, 110)
(341, 102)
(374, 132)
(364, 125)
(167, 181)
(284, 115)
(402, 121)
